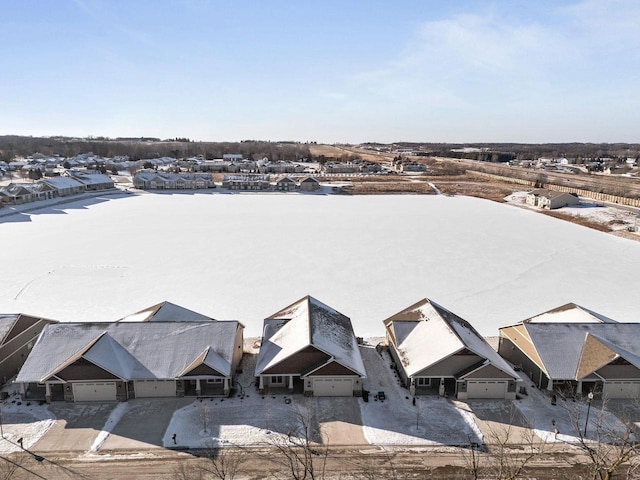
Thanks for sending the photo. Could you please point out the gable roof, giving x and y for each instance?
(569, 313)
(561, 346)
(309, 322)
(89, 178)
(62, 182)
(411, 328)
(132, 350)
(166, 312)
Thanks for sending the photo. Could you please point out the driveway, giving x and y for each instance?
(77, 426)
(501, 421)
(338, 418)
(144, 423)
(432, 420)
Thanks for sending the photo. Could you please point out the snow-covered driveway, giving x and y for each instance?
(396, 421)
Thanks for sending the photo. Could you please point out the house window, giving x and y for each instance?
(423, 382)
(214, 380)
(277, 380)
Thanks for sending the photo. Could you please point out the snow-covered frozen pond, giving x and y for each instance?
(245, 256)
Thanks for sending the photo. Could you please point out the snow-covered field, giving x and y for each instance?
(245, 256)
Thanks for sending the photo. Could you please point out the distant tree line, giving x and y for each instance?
(12, 146)
(499, 152)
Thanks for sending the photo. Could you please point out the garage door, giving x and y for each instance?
(94, 392)
(155, 388)
(488, 389)
(333, 387)
(620, 389)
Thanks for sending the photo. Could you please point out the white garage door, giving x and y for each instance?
(620, 389)
(155, 388)
(487, 389)
(94, 392)
(332, 387)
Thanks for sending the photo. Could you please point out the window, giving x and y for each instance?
(423, 382)
(277, 380)
(214, 380)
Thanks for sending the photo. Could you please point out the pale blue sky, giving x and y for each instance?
(329, 71)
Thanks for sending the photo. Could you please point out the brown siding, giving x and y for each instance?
(299, 363)
(84, 370)
(519, 339)
(333, 368)
(621, 372)
(489, 372)
(450, 366)
(22, 323)
(509, 351)
(203, 370)
(14, 352)
(594, 355)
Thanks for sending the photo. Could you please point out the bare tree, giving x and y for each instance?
(303, 450)
(215, 464)
(608, 442)
(373, 469)
(508, 449)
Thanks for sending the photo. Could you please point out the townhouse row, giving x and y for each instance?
(310, 348)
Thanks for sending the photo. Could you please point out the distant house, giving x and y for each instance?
(309, 184)
(18, 335)
(310, 347)
(64, 186)
(550, 199)
(286, 184)
(575, 351)
(437, 352)
(279, 167)
(152, 180)
(246, 182)
(413, 167)
(83, 362)
(333, 168)
(92, 180)
(18, 193)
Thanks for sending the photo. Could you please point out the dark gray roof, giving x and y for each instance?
(133, 350)
(560, 345)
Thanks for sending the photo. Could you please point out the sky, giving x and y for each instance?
(331, 71)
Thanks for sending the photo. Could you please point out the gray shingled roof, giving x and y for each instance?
(560, 345)
(132, 350)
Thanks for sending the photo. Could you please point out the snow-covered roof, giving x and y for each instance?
(561, 346)
(90, 178)
(132, 351)
(166, 312)
(62, 182)
(426, 333)
(148, 176)
(309, 322)
(569, 313)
